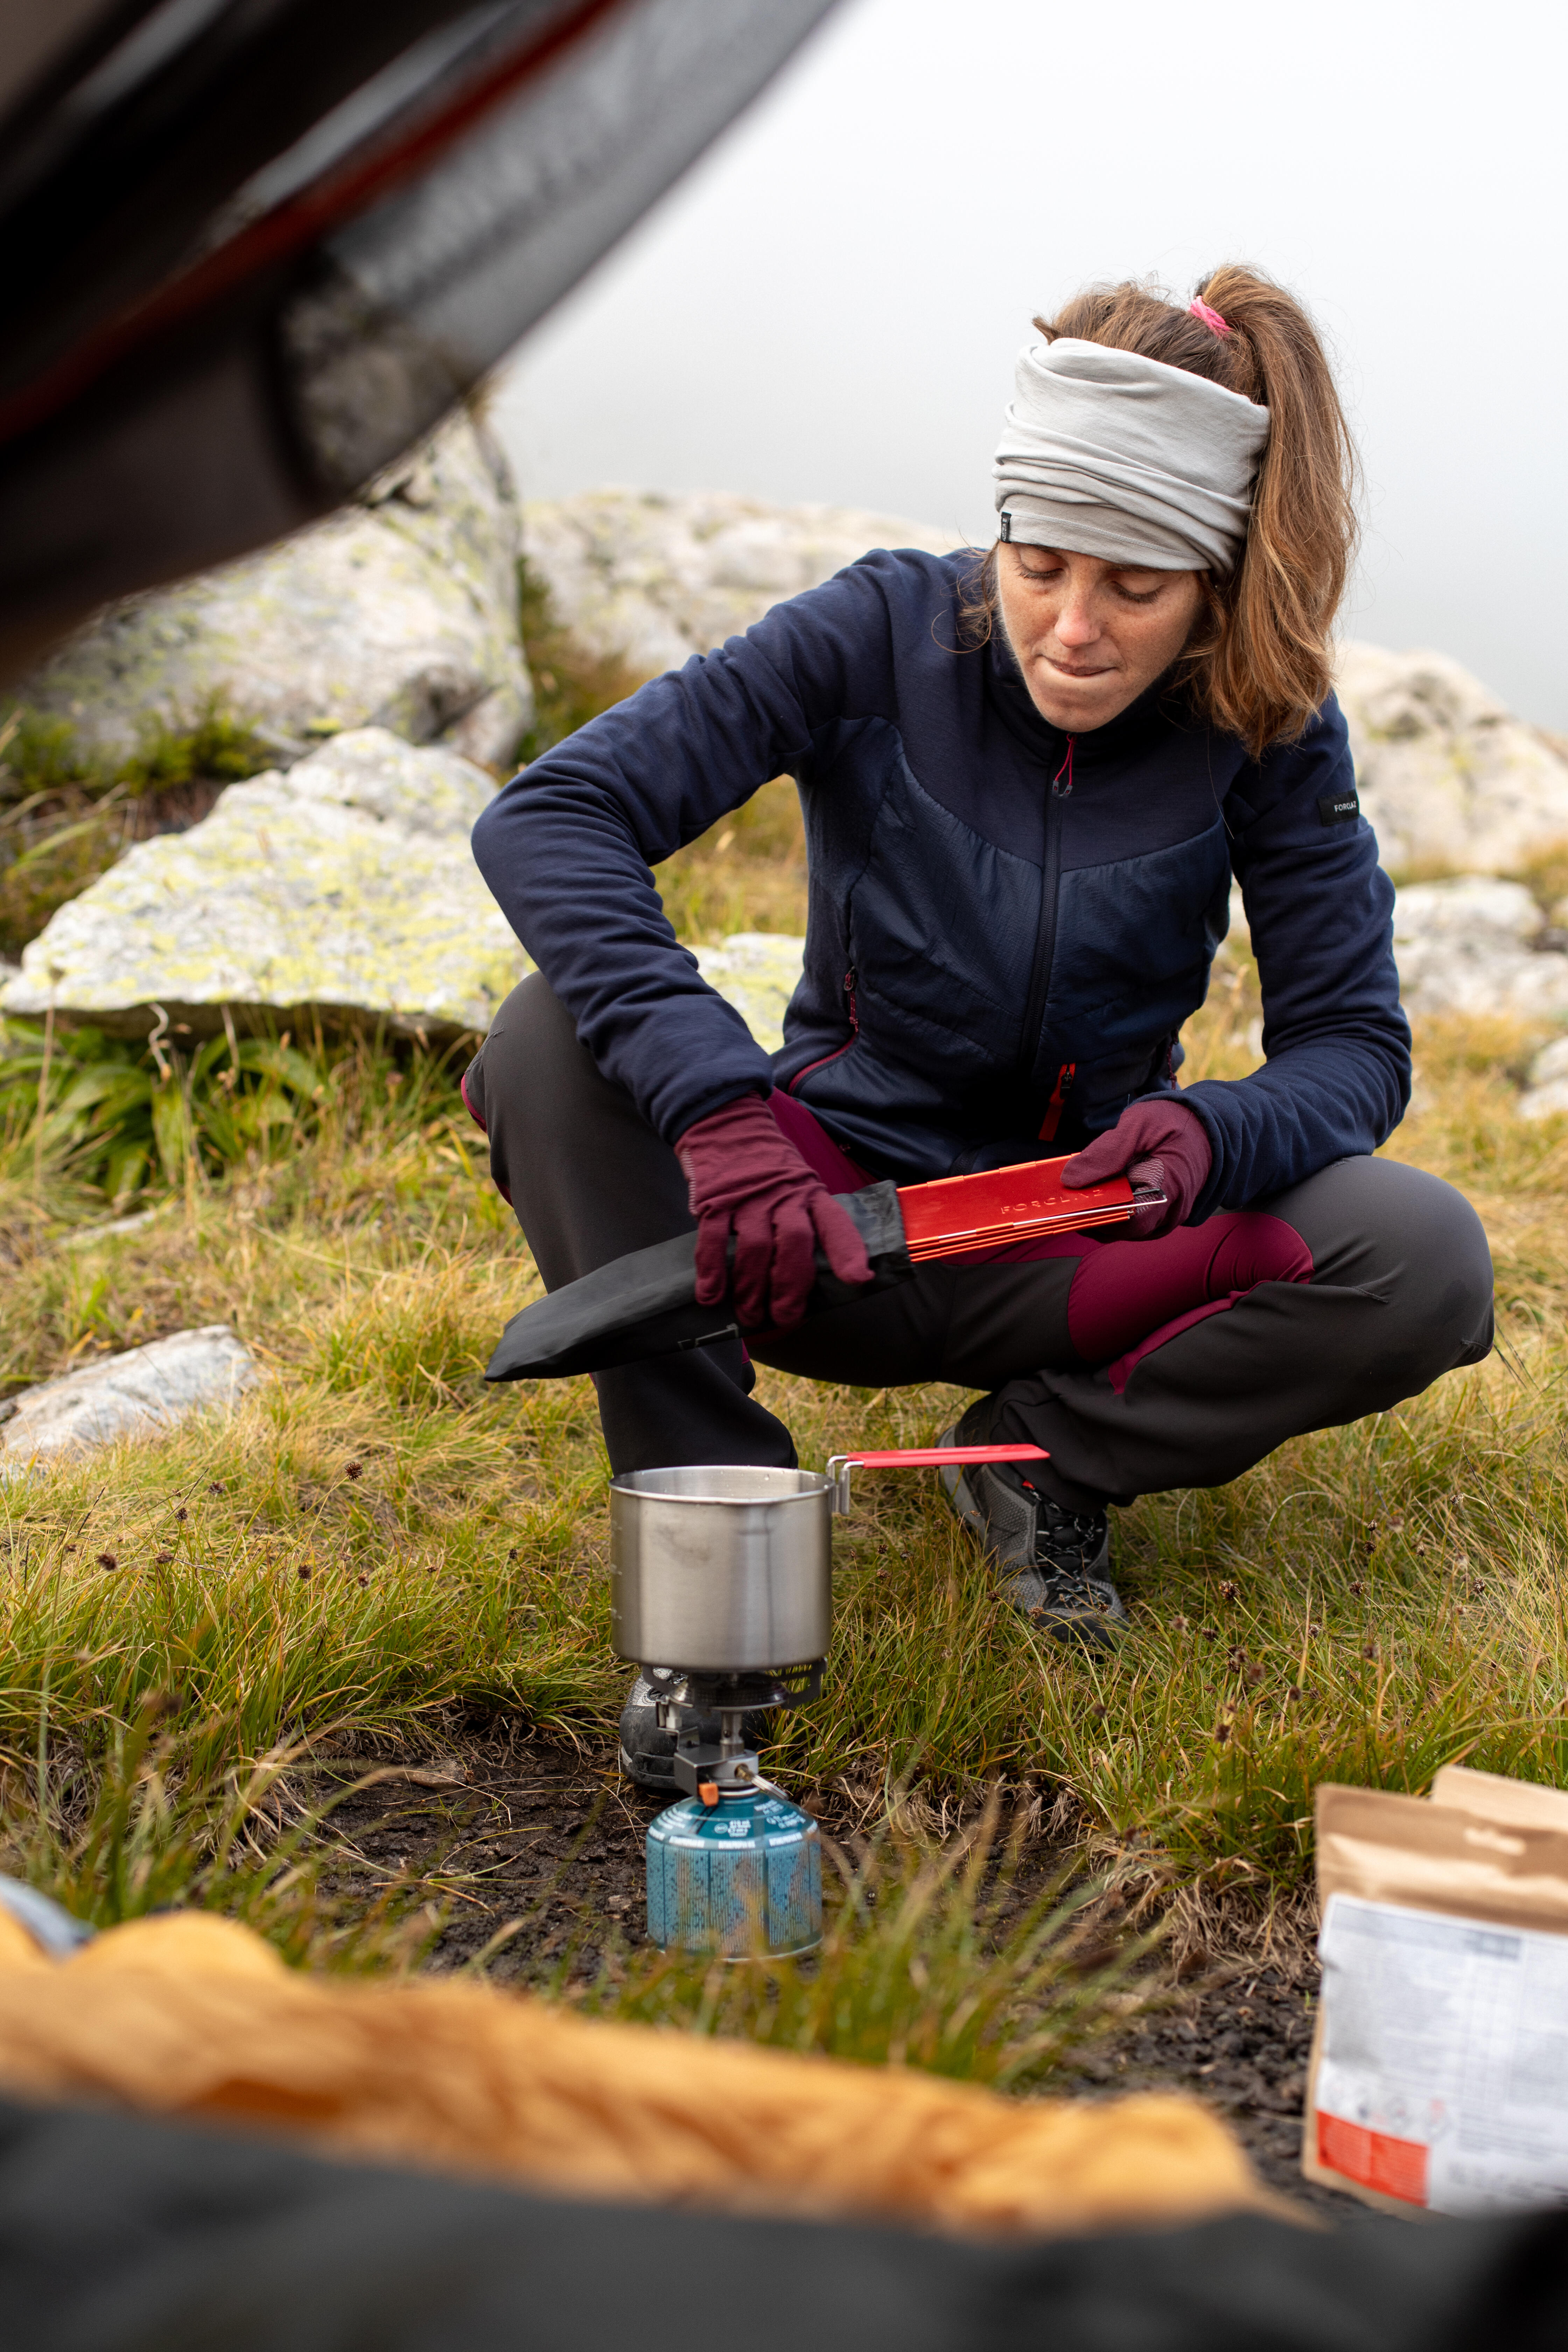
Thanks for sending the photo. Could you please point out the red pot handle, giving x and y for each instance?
(921, 1458)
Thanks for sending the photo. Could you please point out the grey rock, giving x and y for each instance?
(345, 884)
(650, 580)
(757, 973)
(1550, 1064)
(112, 1229)
(398, 612)
(140, 1393)
(1472, 944)
(1547, 1092)
(1447, 775)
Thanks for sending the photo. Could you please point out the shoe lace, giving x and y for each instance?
(1068, 1587)
(1064, 1539)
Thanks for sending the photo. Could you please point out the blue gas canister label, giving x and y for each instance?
(741, 1876)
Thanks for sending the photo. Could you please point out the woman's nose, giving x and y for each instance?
(1076, 624)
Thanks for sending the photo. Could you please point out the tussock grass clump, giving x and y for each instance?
(150, 1836)
(90, 1123)
(369, 1553)
(927, 1961)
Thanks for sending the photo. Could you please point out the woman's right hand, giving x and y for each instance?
(745, 1179)
(1158, 1142)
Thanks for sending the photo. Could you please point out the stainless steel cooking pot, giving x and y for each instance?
(727, 1569)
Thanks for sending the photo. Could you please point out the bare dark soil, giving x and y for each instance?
(534, 1849)
(1238, 2040)
(529, 1846)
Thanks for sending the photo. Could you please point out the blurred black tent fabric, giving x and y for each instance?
(121, 2235)
(253, 248)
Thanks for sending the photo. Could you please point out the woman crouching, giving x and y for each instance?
(1028, 780)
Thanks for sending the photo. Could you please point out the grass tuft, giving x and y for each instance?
(927, 1961)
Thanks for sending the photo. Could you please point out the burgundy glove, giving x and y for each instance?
(1159, 1143)
(745, 1178)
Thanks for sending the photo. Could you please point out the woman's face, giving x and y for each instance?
(1088, 636)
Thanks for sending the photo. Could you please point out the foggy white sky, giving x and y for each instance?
(828, 308)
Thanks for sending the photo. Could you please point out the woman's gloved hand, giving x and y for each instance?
(1159, 1143)
(744, 1178)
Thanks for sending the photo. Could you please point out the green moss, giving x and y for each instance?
(214, 747)
(70, 810)
(44, 753)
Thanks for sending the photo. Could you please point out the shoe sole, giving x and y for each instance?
(644, 1779)
(1098, 1632)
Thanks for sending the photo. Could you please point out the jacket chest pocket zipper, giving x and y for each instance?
(850, 980)
(1059, 1093)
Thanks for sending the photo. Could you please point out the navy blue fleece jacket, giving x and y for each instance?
(1007, 930)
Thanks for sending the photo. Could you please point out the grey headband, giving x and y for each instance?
(1105, 453)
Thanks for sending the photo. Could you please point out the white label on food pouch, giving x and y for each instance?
(1444, 2078)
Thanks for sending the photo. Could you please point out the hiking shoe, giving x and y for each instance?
(647, 1752)
(1053, 1563)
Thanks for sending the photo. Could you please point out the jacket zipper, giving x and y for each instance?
(1046, 929)
(1053, 1117)
(850, 978)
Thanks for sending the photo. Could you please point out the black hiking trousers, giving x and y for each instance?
(1401, 1292)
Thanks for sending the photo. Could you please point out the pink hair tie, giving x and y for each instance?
(1211, 319)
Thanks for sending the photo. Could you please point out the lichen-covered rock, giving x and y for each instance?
(140, 1393)
(399, 612)
(1447, 776)
(650, 580)
(345, 884)
(1547, 1092)
(757, 973)
(1477, 945)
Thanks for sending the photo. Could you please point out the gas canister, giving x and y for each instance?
(735, 1876)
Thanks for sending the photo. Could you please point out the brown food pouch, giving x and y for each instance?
(1438, 2077)
(1524, 1804)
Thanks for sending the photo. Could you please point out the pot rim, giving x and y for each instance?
(641, 1486)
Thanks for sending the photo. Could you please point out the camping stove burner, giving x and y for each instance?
(685, 1702)
(734, 1866)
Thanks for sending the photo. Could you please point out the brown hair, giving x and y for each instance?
(1257, 665)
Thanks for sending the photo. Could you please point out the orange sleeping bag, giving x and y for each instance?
(188, 2016)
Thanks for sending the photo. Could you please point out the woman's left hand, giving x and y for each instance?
(1162, 1144)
